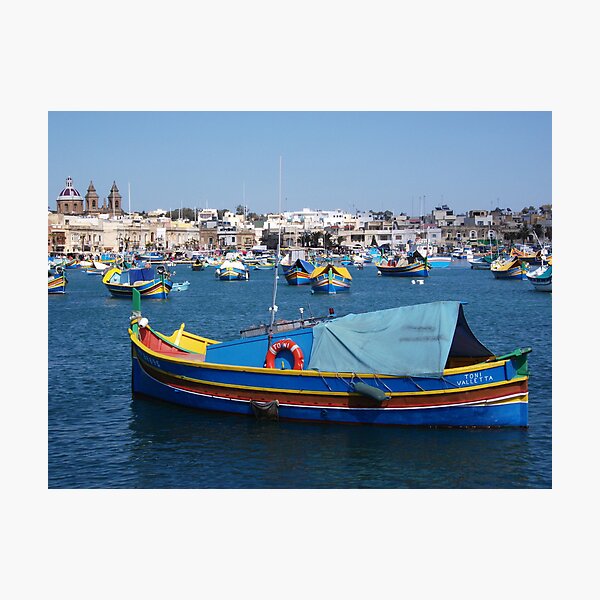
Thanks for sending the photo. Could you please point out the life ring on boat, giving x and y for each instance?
(290, 345)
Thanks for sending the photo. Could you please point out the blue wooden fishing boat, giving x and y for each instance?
(150, 284)
(299, 272)
(330, 279)
(152, 257)
(414, 365)
(57, 280)
(401, 267)
(232, 270)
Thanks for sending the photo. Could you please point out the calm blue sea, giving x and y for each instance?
(99, 437)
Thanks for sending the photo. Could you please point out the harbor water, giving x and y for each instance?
(101, 437)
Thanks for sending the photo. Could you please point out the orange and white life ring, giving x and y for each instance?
(280, 345)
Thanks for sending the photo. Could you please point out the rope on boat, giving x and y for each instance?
(382, 383)
(449, 382)
(416, 384)
(350, 384)
(324, 380)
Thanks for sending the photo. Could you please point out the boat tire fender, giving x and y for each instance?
(287, 344)
(369, 391)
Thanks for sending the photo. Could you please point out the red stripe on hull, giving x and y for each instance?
(421, 400)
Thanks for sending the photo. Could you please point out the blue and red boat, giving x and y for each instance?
(232, 270)
(403, 268)
(330, 279)
(299, 272)
(150, 284)
(57, 281)
(414, 365)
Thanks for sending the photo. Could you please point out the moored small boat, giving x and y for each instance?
(508, 268)
(481, 263)
(150, 284)
(232, 270)
(72, 263)
(198, 265)
(402, 267)
(57, 281)
(541, 277)
(439, 262)
(180, 287)
(330, 279)
(299, 272)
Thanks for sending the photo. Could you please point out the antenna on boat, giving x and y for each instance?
(273, 307)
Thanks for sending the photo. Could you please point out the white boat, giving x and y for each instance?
(439, 262)
(100, 266)
(232, 270)
(541, 278)
(480, 263)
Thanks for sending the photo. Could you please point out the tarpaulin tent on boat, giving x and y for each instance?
(406, 341)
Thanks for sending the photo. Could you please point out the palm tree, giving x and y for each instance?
(315, 236)
(326, 240)
(305, 238)
(523, 233)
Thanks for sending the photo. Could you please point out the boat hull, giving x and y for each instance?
(296, 276)
(232, 276)
(466, 402)
(512, 273)
(157, 289)
(439, 263)
(57, 284)
(541, 278)
(326, 284)
(480, 266)
(541, 285)
(414, 270)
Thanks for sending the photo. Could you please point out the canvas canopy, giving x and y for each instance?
(342, 271)
(407, 341)
(146, 274)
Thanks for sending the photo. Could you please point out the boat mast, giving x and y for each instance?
(273, 307)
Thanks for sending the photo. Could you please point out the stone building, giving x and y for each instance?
(92, 203)
(69, 201)
(114, 201)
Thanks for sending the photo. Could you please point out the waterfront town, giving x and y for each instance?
(85, 224)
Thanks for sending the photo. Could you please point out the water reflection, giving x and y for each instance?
(212, 450)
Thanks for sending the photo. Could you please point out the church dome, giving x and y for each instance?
(69, 193)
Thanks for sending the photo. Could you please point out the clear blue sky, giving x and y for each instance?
(347, 160)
